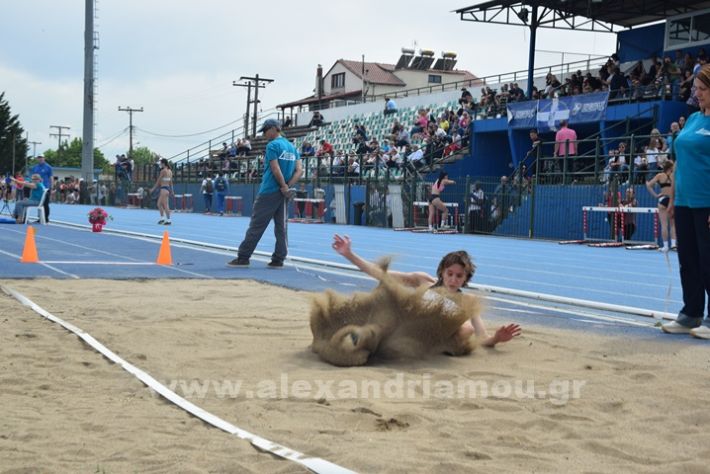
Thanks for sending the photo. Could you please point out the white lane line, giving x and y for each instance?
(584, 314)
(44, 264)
(511, 310)
(317, 465)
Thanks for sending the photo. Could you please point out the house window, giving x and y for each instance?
(434, 79)
(337, 81)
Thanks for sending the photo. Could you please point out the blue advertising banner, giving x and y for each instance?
(522, 114)
(575, 109)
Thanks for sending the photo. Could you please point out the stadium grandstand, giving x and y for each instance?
(375, 168)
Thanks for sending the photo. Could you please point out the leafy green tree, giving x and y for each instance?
(69, 155)
(11, 137)
(143, 156)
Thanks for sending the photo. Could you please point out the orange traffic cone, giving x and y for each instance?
(164, 257)
(29, 254)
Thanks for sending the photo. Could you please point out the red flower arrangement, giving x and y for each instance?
(97, 219)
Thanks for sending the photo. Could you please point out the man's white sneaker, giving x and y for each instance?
(675, 328)
(701, 332)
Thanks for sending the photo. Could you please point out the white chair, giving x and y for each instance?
(37, 212)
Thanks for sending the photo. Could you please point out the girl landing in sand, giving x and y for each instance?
(454, 272)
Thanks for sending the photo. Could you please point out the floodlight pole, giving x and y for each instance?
(531, 54)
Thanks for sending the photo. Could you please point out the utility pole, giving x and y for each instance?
(59, 135)
(257, 83)
(130, 127)
(91, 45)
(34, 147)
(246, 117)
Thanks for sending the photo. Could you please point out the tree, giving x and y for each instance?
(143, 156)
(11, 138)
(69, 155)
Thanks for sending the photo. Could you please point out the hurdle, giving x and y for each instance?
(618, 213)
(182, 203)
(314, 207)
(135, 200)
(453, 220)
(233, 206)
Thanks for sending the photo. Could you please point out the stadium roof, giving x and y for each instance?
(587, 15)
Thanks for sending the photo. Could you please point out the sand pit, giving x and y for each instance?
(240, 350)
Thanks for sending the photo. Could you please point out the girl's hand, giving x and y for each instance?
(342, 245)
(506, 333)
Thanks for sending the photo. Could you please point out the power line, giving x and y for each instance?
(188, 134)
(123, 131)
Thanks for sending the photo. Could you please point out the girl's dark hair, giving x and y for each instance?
(442, 175)
(165, 162)
(459, 257)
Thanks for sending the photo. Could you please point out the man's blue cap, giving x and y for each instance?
(269, 123)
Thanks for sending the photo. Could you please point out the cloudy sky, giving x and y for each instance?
(177, 58)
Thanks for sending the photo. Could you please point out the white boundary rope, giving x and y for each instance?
(317, 465)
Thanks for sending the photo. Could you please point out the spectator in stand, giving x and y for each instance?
(390, 106)
(402, 138)
(288, 122)
(681, 121)
(670, 139)
(420, 123)
(43, 169)
(385, 147)
(338, 164)
(207, 189)
(316, 120)
(232, 153)
(531, 155)
(652, 150)
(690, 205)
(566, 145)
(617, 83)
(416, 157)
(244, 148)
(391, 159)
(325, 150)
(224, 152)
(641, 167)
(353, 166)
(221, 187)
(476, 202)
(664, 180)
(307, 149)
(360, 135)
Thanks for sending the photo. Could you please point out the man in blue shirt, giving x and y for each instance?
(390, 106)
(282, 170)
(45, 171)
